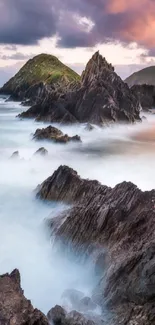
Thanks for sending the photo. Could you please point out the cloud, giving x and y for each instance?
(17, 56)
(78, 23)
(26, 21)
(7, 72)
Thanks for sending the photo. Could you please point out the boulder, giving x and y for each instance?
(114, 227)
(14, 307)
(54, 134)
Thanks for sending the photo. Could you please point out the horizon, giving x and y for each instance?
(77, 30)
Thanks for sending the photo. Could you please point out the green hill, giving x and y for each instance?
(144, 76)
(42, 68)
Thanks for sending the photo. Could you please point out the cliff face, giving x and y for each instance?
(115, 228)
(43, 68)
(101, 97)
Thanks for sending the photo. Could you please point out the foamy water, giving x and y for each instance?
(110, 155)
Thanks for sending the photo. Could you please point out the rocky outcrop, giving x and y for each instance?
(14, 307)
(54, 134)
(66, 185)
(59, 316)
(42, 152)
(145, 95)
(116, 228)
(15, 155)
(43, 69)
(101, 97)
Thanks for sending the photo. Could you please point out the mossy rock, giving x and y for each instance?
(42, 68)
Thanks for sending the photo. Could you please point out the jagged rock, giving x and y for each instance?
(15, 155)
(14, 307)
(65, 185)
(145, 95)
(54, 134)
(101, 97)
(41, 151)
(119, 222)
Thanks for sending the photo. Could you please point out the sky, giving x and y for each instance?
(123, 31)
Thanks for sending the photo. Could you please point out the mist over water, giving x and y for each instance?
(110, 155)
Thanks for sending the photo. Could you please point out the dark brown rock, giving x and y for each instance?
(119, 223)
(14, 307)
(54, 134)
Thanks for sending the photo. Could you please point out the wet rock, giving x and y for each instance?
(49, 133)
(54, 134)
(41, 151)
(14, 307)
(118, 222)
(15, 155)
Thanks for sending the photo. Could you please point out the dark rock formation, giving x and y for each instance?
(118, 225)
(101, 97)
(54, 134)
(145, 95)
(58, 316)
(65, 185)
(42, 152)
(15, 155)
(14, 307)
